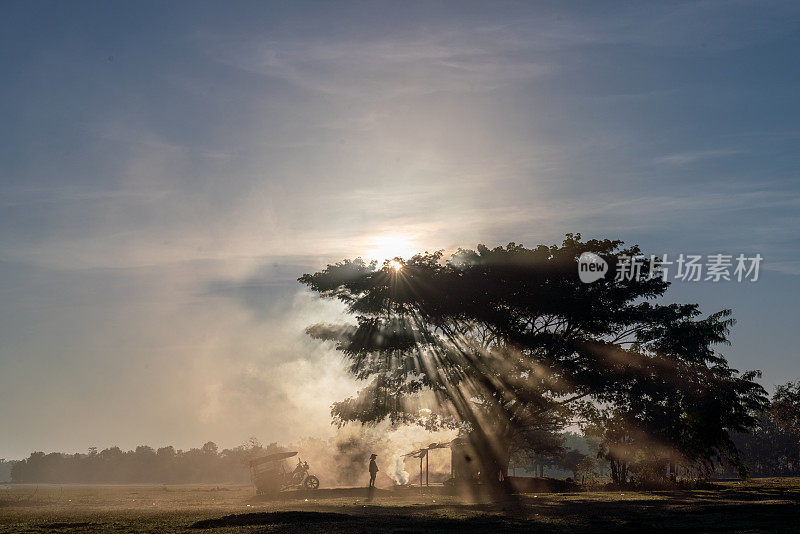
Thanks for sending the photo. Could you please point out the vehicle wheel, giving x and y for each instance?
(311, 482)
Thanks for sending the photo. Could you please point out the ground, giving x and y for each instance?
(760, 505)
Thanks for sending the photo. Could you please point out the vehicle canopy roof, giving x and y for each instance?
(272, 458)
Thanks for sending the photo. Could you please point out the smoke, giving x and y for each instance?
(343, 459)
(399, 475)
(406, 439)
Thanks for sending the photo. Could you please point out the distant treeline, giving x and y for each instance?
(771, 450)
(165, 465)
(5, 470)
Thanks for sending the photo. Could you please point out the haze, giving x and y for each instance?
(168, 171)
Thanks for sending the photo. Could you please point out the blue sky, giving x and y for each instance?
(167, 170)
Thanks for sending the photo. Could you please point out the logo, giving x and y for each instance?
(591, 267)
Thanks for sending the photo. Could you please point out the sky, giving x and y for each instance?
(168, 169)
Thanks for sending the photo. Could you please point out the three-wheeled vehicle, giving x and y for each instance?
(270, 474)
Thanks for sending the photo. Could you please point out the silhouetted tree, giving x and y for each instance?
(773, 449)
(535, 450)
(785, 406)
(508, 341)
(571, 461)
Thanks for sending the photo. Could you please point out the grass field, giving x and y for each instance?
(761, 505)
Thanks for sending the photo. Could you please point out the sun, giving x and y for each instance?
(384, 247)
(395, 265)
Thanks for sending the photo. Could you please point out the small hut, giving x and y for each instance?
(464, 466)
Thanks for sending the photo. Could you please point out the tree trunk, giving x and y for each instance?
(619, 472)
(493, 464)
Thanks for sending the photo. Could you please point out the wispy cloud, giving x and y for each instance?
(693, 156)
(386, 68)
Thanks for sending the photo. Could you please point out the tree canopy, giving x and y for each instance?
(785, 406)
(507, 343)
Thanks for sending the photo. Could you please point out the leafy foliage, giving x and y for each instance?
(785, 407)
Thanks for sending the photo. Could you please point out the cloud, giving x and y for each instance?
(389, 67)
(693, 156)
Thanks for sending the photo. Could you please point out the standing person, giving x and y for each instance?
(373, 470)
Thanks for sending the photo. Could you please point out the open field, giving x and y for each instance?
(761, 505)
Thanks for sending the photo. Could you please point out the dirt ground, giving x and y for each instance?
(760, 505)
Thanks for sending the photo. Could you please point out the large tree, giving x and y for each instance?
(508, 343)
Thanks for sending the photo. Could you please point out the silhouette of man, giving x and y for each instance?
(373, 470)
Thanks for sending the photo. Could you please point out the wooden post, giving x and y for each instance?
(426, 468)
